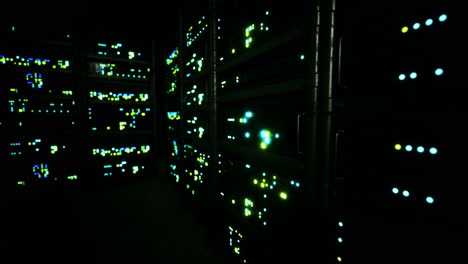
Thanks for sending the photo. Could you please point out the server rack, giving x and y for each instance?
(401, 68)
(120, 108)
(40, 108)
(77, 109)
(269, 118)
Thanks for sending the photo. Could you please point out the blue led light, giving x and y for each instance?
(429, 200)
(442, 17)
(433, 151)
(413, 75)
(420, 149)
(409, 148)
(395, 190)
(247, 134)
(429, 22)
(416, 26)
(439, 72)
(401, 77)
(340, 224)
(406, 193)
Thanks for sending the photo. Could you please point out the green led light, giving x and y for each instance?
(404, 29)
(397, 146)
(283, 195)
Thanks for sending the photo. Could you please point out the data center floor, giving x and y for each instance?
(135, 223)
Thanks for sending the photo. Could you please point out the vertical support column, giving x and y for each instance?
(180, 79)
(159, 115)
(319, 144)
(213, 94)
(80, 77)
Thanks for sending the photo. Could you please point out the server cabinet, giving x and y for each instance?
(188, 101)
(268, 121)
(40, 108)
(120, 107)
(76, 108)
(401, 68)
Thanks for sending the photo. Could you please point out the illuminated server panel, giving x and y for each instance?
(262, 66)
(39, 109)
(188, 114)
(119, 109)
(403, 191)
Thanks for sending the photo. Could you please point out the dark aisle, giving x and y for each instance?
(136, 223)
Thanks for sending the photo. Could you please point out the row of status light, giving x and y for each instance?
(419, 149)
(108, 69)
(191, 36)
(172, 57)
(19, 106)
(414, 75)
(115, 49)
(121, 151)
(29, 62)
(175, 149)
(406, 193)
(120, 166)
(115, 97)
(340, 239)
(428, 22)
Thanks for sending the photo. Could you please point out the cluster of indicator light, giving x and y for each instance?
(41, 171)
(36, 62)
(197, 130)
(116, 50)
(236, 80)
(175, 153)
(269, 186)
(421, 150)
(173, 116)
(121, 151)
(235, 238)
(249, 32)
(340, 239)
(194, 65)
(174, 69)
(121, 167)
(193, 174)
(265, 135)
(116, 97)
(34, 80)
(33, 146)
(193, 34)
(429, 22)
(131, 114)
(194, 97)
(112, 70)
(414, 75)
(19, 106)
